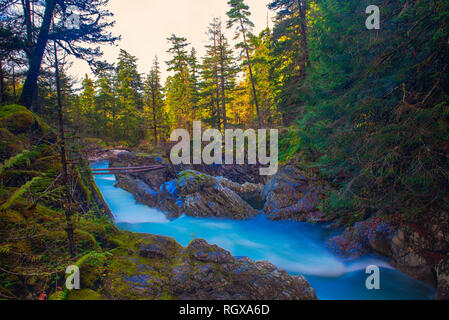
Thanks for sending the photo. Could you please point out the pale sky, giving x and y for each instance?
(145, 26)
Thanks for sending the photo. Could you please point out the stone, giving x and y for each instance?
(200, 250)
(290, 195)
(158, 247)
(443, 280)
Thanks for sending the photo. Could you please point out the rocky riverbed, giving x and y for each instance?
(238, 192)
(156, 267)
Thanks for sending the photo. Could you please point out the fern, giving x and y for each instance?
(18, 193)
(5, 248)
(9, 163)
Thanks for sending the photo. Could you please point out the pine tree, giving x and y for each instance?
(290, 53)
(180, 97)
(239, 18)
(296, 10)
(264, 73)
(194, 83)
(218, 73)
(105, 102)
(129, 94)
(210, 76)
(154, 98)
(87, 105)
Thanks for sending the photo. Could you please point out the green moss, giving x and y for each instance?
(85, 294)
(19, 119)
(10, 145)
(16, 119)
(165, 296)
(92, 268)
(85, 241)
(11, 217)
(58, 295)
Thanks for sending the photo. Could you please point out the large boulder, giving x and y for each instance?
(443, 280)
(192, 193)
(200, 195)
(19, 129)
(162, 269)
(200, 250)
(291, 195)
(142, 192)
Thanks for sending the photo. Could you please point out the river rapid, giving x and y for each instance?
(298, 248)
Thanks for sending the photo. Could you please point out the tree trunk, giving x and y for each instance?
(27, 14)
(251, 77)
(3, 96)
(35, 60)
(223, 93)
(302, 11)
(154, 115)
(68, 208)
(14, 81)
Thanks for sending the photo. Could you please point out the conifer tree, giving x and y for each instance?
(295, 10)
(105, 102)
(180, 100)
(87, 105)
(129, 94)
(218, 73)
(239, 18)
(154, 97)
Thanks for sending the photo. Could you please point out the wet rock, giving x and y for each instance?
(236, 173)
(443, 280)
(158, 247)
(199, 272)
(290, 195)
(407, 255)
(193, 193)
(200, 250)
(141, 191)
(205, 196)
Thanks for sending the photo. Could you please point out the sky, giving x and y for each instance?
(145, 26)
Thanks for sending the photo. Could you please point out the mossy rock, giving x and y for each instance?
(10, 145)
(18, 119)
(92, 269)
(58, 295)
(85, 241)
(104, 233)
(85, 294)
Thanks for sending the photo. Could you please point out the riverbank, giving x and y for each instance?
(418, 250)
(297, 247)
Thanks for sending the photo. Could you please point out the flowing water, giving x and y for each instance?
(296, 247)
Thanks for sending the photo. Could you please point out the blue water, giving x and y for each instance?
(296, 247)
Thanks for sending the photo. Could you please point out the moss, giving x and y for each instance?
(92, 269)
(85, 241)
(10, 145)
(11, 217)
(165, 296)
(46, 215)
(85, 294)
(16, 119)
(58, 295)
(19, 119)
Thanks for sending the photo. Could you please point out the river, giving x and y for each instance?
(298, 248)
